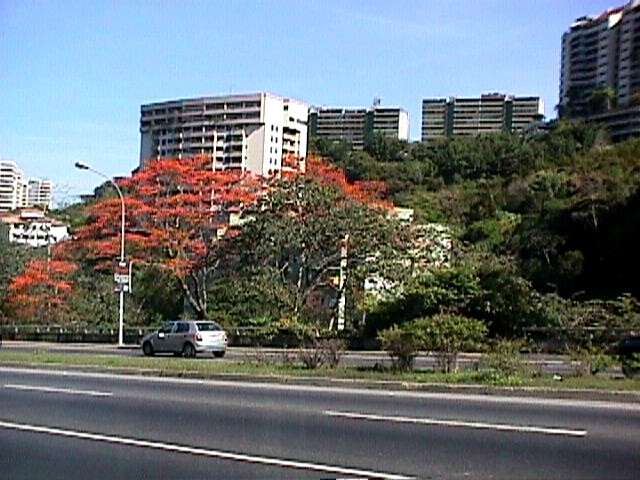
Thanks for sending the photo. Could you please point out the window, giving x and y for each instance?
(208, 327)
(167, 327)
(182, 327)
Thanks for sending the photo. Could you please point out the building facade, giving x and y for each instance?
(600, 53)
(39, 193)
(358, 126)
(33, 228)
(490, 113)
(13, 186)
(252, 132)
(600, 71)
(17, 192)
(589, 60)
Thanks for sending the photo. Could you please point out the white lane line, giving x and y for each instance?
(457, 423)
(69, 391)
(203, 452)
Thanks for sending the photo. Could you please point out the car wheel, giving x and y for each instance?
(147, 349)
(219, 354)
(188, 351)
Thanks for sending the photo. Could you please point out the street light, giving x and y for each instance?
(82, 166)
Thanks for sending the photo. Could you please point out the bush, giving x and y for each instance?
(447, 335)
(311, 358)
(401, 345)
(333, 349)
(631, 365)
(504, 361)
(590, 361)
(327, 351)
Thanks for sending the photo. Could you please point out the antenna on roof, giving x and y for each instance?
(376, 101)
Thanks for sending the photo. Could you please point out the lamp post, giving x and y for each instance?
(82, 166)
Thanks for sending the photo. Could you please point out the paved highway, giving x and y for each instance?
(78, 425)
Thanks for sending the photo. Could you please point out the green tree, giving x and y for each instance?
(300, 234)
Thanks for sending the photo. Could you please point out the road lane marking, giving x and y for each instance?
(458, 423)
(69, 391)
(239, 457)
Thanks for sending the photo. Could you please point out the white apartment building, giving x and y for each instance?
(33, 228)
(251, 132)
(40, 193)
(16, 192)
(13, 186)
(489, 113)
(358, 125)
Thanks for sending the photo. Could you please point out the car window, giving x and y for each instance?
(208, 326)
(182, 327)
(167, 327)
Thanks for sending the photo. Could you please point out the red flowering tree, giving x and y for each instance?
(42, 291)
(179, 215)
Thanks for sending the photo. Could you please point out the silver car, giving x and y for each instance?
(187, 338)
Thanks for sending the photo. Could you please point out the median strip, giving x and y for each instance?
(68, 391)
(203, 452)
(458, 423)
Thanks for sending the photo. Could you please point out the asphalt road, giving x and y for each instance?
(546, 363)
(78, 425)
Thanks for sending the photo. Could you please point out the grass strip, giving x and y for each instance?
(210, 368)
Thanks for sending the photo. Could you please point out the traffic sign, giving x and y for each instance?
(121, 279)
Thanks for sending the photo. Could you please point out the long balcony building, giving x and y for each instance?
(358, 126)
(252, 132)
(490, 113)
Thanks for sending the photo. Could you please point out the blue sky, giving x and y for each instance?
(73, 74)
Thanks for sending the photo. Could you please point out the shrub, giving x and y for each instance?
(332, 349)
(311, 358)
(504, 360)
(590, 360)
(327, 351)
(401, 345)
(447, 335)
(631, 365)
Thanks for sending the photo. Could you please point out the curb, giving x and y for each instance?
(470, 389)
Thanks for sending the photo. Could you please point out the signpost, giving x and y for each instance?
(123, 280)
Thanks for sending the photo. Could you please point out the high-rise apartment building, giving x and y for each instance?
(13, 186)
(40, 193)
(490, 113)
(600, 52)
(16, 192)
(251, 132)
(589, 60)
(357, 126)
